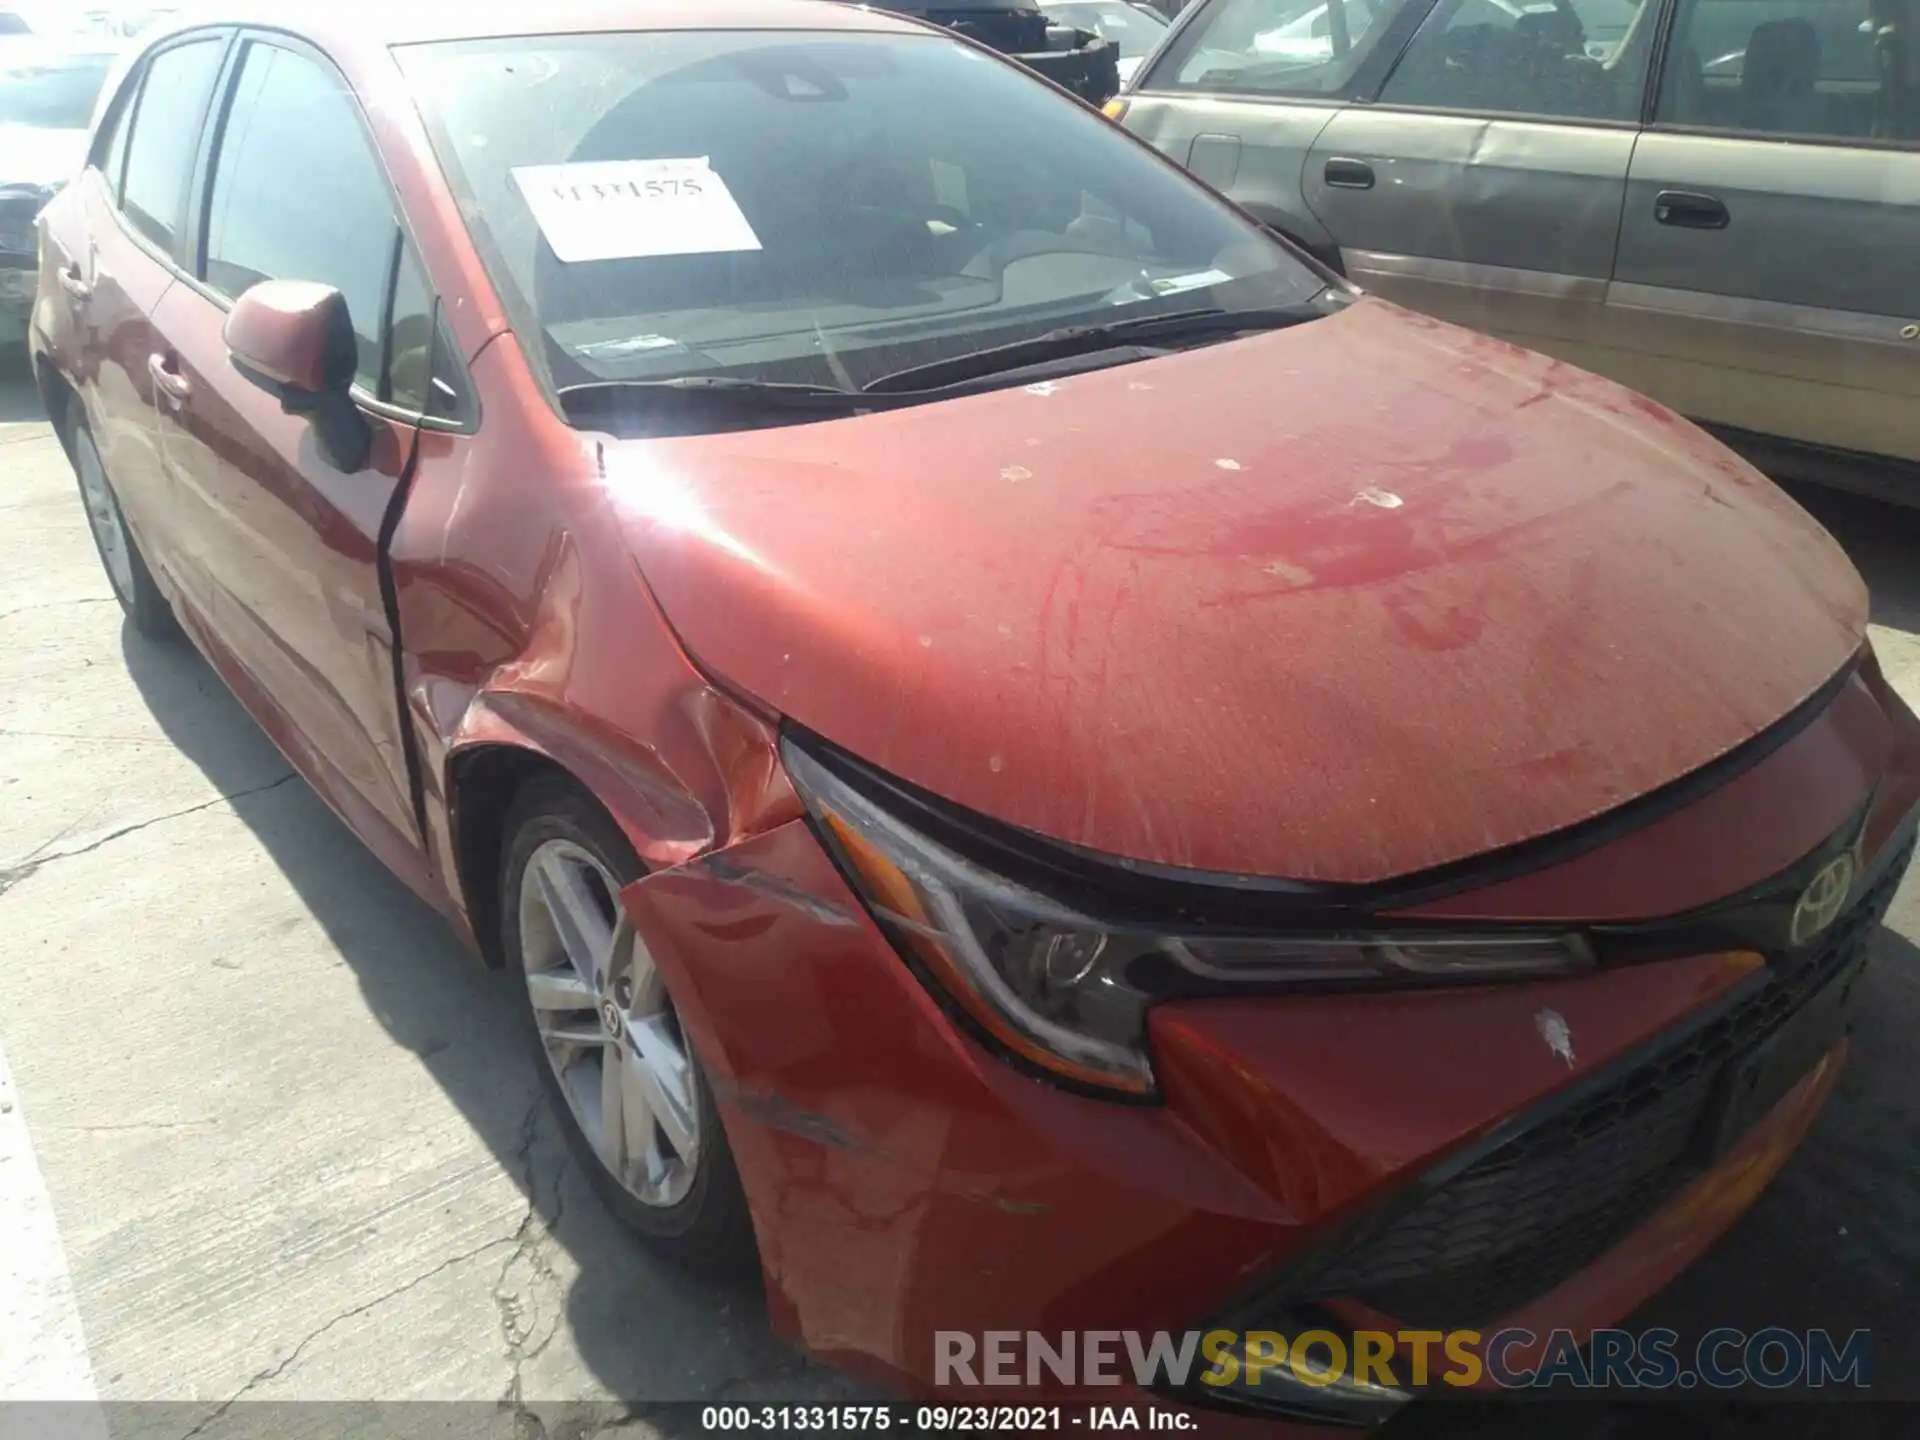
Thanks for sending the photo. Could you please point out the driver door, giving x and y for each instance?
(288, 548)
(1485, 183)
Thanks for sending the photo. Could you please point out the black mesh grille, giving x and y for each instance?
(1540, 1205)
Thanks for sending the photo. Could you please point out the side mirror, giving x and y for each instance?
(294, 340)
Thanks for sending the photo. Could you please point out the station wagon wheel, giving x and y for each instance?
(120, 555)
(632, 1097)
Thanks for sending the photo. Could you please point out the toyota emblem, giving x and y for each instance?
(1824, 898)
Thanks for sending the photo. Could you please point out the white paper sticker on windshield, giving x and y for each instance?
(1199, 280)
(627, 209)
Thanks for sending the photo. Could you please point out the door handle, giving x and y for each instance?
(1691, 210)
(71, 282)
(1349, 174)
(170, 382)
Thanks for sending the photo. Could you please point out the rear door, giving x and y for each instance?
(287, 546)
(1241, 88)
(133, 202)
(1769, 270)
(1484, 183)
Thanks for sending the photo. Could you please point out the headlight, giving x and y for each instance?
(1069, 992)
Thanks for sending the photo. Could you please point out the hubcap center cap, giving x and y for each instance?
(610, 1017)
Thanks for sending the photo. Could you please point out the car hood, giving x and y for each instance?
(30, 155)
(1337, 603)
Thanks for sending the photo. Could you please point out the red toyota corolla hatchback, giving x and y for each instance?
(1040, 760)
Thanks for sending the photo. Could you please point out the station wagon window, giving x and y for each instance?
(166, 136)
(1560, 59)
(1787, 68)
(298, 193)
(111, 147)
(1276, 47)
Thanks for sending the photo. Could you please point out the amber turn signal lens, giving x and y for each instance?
(894, 893)
(1114, 109)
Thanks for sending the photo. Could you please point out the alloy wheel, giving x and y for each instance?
(607, 1027)
(103, 516)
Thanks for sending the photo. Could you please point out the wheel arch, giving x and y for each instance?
(507, 740)
(482, 780)
(58, 398)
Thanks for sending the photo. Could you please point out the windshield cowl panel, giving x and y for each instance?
(814, 209)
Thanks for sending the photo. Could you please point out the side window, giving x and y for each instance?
(1560, 59)
(110, 147)
(1275, 47)
(298, 193)
(166, 137)
(412, 381)
(1785, 67)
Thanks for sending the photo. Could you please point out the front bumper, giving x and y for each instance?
(1352, 1151)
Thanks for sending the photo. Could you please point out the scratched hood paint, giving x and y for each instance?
(1341, 602)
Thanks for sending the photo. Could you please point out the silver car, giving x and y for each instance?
(1716, 202)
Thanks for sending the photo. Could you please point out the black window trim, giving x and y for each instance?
(122, 105)
(170, 258)
(1783, 137)
(213, 132)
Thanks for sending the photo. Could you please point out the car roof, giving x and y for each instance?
(336, 28)
(19, 49)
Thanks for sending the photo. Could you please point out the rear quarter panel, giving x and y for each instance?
(1251, 151)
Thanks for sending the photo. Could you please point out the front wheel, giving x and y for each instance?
(633, 1100)
(120, 556)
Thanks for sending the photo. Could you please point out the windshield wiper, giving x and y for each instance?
(1086, 339)
(597, 399)
(600, 394)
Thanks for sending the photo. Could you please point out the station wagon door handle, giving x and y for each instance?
(1691, 210)
(170, 382)
(1349, 174)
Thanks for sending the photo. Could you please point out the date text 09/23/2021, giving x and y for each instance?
(924, 1419)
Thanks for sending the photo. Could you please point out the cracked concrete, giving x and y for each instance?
(52, 850)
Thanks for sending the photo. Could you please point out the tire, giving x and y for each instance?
(113, 542)
(694, 1213)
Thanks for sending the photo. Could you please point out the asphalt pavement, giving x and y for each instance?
(267, 1132)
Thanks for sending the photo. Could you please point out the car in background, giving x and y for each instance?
(1720, 211)
(1133, 26)
(1075, 58)
(48, 87)
(1029, 756)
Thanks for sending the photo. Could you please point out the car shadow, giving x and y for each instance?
(645, 1330)
(19, 398)
(1882, 540)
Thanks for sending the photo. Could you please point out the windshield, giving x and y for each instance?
(815, 208)
(48, 90)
